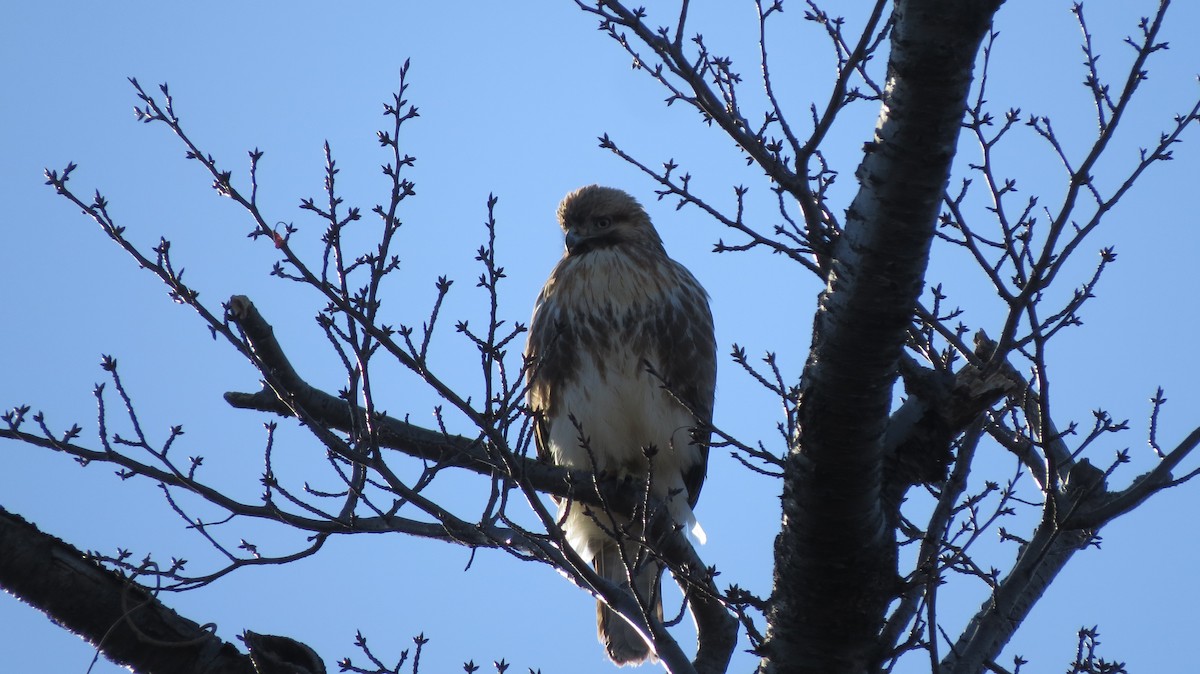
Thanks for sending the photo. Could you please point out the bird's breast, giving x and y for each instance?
(613, 280)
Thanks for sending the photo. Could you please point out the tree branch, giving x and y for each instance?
(1040, 562)
(1112, 505)
(445, 449)
(120, 618)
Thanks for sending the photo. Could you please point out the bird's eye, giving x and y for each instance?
(603, 222)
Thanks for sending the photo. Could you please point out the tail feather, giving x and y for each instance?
(624, 644)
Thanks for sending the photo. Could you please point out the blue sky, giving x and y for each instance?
(511, 102)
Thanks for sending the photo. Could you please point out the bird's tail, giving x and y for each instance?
(624, 644)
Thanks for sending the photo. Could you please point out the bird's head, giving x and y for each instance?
(595, 217)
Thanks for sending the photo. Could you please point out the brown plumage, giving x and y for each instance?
(614, 306)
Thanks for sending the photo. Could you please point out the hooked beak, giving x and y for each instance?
(572, 241)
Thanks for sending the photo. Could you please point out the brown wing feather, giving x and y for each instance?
(551, 355)
(683, 332)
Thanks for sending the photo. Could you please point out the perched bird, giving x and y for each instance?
(622, 373)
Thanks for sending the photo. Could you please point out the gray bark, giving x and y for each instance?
(127, 624)
(835, 569)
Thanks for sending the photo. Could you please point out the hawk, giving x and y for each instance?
(622, 374)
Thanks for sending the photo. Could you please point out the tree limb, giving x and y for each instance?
(1038, 565)
(120, 618)
(1112, 505)
(445, 449)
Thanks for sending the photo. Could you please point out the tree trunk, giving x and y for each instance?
(835, 557)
